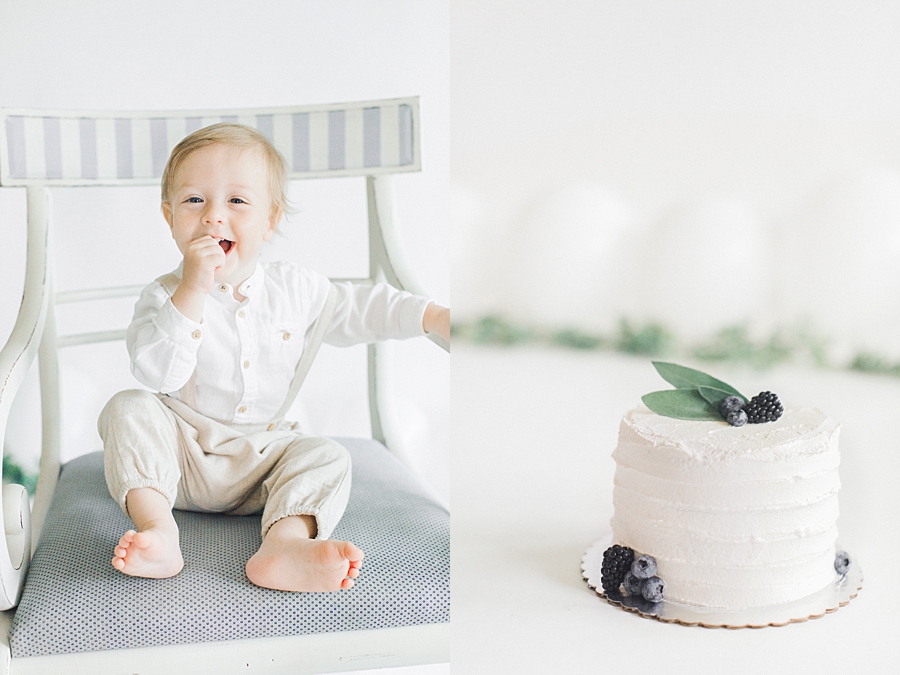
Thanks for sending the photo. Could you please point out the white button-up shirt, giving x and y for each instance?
(245, 353)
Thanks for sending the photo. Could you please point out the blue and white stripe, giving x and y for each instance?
(83, 148)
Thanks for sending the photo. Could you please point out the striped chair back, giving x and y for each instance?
(93, 148)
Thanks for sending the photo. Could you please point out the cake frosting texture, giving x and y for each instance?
(736, 517)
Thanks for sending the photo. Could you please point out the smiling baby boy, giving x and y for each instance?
(219, 340)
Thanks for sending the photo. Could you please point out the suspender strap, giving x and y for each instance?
(170, 282)
(323, 323)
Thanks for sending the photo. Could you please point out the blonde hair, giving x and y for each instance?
(236, 135)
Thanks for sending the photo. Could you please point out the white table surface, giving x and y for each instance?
(533, 432)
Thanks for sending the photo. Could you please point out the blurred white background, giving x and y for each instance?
(100, 54)
(697, 163)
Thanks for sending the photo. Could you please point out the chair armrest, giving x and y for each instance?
(21, 348)
(386, 254)
(16, 357)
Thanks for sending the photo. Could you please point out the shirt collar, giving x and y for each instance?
(251, 286)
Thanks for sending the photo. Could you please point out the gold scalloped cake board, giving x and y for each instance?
(831, 598)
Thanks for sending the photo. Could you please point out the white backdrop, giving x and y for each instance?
(99, 54)
(696, 163)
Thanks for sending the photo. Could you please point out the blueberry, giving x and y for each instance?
(643, 567)
(633, 585)
(731, 404)
(653, 589)
(841, 562)
(736, 418)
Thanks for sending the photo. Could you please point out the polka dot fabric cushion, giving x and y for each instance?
(75, 601)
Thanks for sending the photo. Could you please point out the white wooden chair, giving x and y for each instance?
(43, 149)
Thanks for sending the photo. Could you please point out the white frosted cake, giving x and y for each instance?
(736, 516)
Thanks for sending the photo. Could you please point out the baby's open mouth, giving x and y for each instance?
(226, 245)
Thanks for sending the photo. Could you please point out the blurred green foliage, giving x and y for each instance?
(648, 340)
(733, 344)
(577, 339)
(867, 362)
(13, 473)
(492, 330)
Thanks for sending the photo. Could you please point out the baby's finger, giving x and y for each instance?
(208, 249)
(206, 242)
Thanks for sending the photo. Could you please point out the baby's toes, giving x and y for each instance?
(351, 552)
(142, 540)
(121, 551)
(347, 583)
(355, 564)
(353, 573)
(118, 563)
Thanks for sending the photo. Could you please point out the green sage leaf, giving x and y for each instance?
(682, 404)
(715, 396)
(688, 378)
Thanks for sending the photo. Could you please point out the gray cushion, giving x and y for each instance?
(75, 601)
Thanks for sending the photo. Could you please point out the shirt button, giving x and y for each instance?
(196, 334)
(241, 313)
(223, 287)
(246, 364)
(242, 409)
(271, 427)
(286, 336)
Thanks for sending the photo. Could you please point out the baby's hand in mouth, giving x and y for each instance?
(202, 257)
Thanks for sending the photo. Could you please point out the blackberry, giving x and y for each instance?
(616, 563)
(764, 407)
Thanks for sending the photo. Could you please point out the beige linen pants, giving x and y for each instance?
(200, 464)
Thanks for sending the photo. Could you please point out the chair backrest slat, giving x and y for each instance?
(131, 148)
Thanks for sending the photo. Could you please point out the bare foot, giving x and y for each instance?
(153, 553)
(288, 561)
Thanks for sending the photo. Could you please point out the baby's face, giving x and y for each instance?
(223, 191)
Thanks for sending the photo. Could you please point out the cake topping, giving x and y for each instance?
(841, 562)
(653, 589)
(736, 418)
(616, 563)
(636, 575)
(633, 585)
(644, 567)
(731, 404)
(764, 407)
(698, 396)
